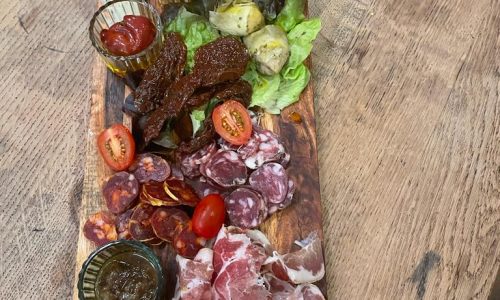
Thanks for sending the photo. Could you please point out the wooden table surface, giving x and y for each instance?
(408, 106)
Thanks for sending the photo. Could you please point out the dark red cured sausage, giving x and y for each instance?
(155, 194)
(122, 225)
(190, 164)
(181, 192)
(246, 208)
(271, 181)
(148, 167)
(244, 151)
(225, 168)
(203, 188)
(186, 243)
(120, 192)
(100, 228)
(166, 220)
(273, 207)
(140, 223)
(176, 172)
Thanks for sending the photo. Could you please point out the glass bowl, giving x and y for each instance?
(87, 279)
(113, 12)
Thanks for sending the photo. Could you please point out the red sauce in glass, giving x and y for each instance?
(130, 36)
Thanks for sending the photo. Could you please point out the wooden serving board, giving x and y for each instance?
(283, 228)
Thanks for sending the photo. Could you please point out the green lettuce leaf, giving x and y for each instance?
(291, 86)
(199, 114)
(265, 88)
(301, 39)
(196, 31)
(291, 14)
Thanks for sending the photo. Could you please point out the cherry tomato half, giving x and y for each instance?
(232, 122)
(117, 147)
(209, 216)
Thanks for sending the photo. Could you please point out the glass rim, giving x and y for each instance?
(133, 244)
(104, 52)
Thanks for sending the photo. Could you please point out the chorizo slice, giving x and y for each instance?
(246, 208)
(181, 192)
(122, 225)
(225, 168)
(271, 181)
(156, 194)
(186, 242)
(149, 167)
(140, 223)
(166, 220)
(100, 228)
(120, 192)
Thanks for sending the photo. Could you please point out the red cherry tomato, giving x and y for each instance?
(209, 216)
(117, 147)
(130, 36)
(232, 122)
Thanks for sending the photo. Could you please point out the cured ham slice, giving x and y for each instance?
(302, 266)
(193, 280)
(237, 262)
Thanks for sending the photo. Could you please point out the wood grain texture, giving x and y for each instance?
(409, 136)
(408, 123)
(300, 219)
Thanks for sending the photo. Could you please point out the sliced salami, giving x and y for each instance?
(120, 192)
(244, 151)
(140, 223)
(155, 194)
(271, 181)
(181, 192)
(204, 188)
(176, 173)
(150, 167)
(246, 208)
(122, 225)
(166, 220)
(100, 228)
(274, 207)
(270, 149)
(186, 243)
(190, 164)
(226, 169)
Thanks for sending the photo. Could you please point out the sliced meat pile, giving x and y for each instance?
(243, 266)
(149, 204)
(252, 178)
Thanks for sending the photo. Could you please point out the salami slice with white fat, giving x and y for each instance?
(271, 181)
(120, 192)
(274, 207)
(225, 168)
(190, 164)
(148, 167)
(246, 208)
(270, 149)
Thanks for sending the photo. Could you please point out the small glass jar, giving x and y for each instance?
(88, 279)
(113, 12)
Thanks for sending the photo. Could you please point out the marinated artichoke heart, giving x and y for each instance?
(269, 48)
(237, 17)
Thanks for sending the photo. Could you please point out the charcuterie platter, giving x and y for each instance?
(202, 146)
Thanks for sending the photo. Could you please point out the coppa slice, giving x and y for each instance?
(100, 228)
(166, 220)
(120, 191)
(140, 223)
(226, 169)
(194, 276)
(150, 167)
(246, 208)
(272, 181)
